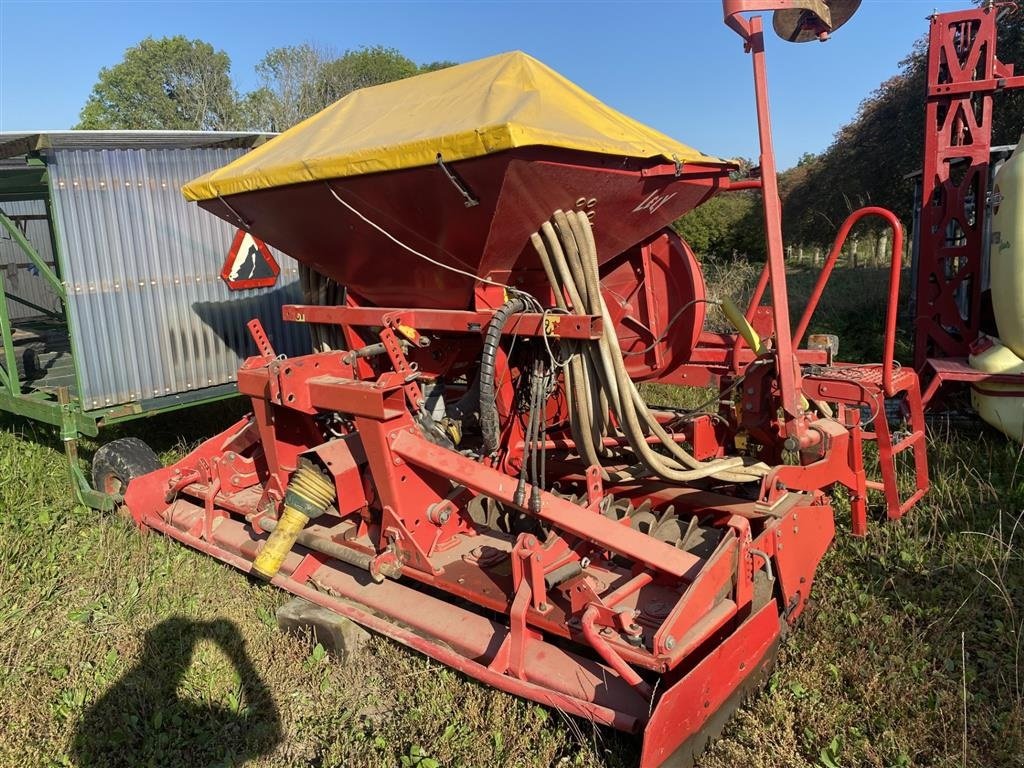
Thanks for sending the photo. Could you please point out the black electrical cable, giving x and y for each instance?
(520, 495)
(537, 417)
(489, 426)
(668, 326)
(540, 482)
(544, 432)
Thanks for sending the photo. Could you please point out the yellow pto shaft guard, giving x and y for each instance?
(309, 494)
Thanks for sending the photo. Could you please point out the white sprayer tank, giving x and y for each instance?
(995, 403)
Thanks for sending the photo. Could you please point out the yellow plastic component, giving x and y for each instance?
(313, 487)
(310, 488)
(289, 526)
(470, 110)
(409, 332)
(739, 321)
(1004, 413)
(454, 431)
(1006, 262)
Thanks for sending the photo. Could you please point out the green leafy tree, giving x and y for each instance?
(433, 66)
(362, 68)
(168, 83)
(288, 91)
(299, 81)
(259, 110)
(874, 157)
(1008, 106)
(728, 224)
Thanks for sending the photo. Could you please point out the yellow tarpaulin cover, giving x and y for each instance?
(474, 109)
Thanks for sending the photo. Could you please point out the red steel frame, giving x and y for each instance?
(595, 617)
(964, 72)
(752, 32)
(704, 646)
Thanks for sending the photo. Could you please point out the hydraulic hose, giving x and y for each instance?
(581, 407)
(595, 390)
(568, 369)
(638, 417)
(309, 494)
(489, 426)
(719, 468)
(634, 413)
(599, 378)
(607, 380)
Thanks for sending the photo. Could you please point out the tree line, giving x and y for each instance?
(177, 83)
(174, 83)
(871, 161)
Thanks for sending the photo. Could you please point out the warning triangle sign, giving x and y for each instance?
(249, 264)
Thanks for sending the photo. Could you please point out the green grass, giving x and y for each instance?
(106, 631)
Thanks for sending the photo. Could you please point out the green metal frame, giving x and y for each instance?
(62, 409)
(9, 375)
(44, 269)
(36, 307)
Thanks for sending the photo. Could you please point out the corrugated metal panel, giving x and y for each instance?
(149, 313)
(16, 143)
(20, 276)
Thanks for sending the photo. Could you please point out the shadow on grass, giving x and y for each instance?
(142, 720)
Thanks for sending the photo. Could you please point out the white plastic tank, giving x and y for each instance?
(999, 404)
(1006, 254)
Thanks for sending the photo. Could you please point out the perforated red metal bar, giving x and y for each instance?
(963, 74)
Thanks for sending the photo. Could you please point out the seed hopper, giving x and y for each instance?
(465, 464)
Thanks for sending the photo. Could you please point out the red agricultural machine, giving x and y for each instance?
(968, 298)
(466, 464)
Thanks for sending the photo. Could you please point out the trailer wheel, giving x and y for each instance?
(119, 461)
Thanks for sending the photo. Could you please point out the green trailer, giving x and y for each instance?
(114, 306)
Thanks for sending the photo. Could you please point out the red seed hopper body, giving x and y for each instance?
(465, 463)
(628, 199)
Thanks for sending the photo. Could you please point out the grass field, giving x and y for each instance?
(910, 655)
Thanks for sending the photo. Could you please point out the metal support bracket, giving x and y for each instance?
(44, 269)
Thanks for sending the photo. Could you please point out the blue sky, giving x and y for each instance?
(673, 65)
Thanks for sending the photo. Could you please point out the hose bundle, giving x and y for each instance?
(489, 426)
(596, 380)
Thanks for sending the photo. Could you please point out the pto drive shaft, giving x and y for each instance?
(309, 494)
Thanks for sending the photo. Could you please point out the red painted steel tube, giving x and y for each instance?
(448, 320)
(752, 32)
(894, 286)
(635, 584)
(976, 86)
(739, 186)
(789, 383)
(563, 514)
(608, 653)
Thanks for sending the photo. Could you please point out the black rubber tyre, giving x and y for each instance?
(29, 366)
(119, 461)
